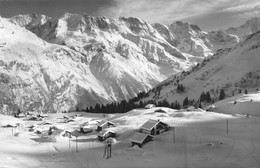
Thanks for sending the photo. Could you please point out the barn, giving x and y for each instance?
(140, 139)
(104, 134)
(154, 127)
(104, 124)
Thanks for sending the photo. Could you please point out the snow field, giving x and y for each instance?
(202, 140)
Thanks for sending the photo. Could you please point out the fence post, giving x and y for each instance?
(174, 135)
(227, 126)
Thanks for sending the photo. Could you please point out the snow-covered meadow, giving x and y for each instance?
(202, 139)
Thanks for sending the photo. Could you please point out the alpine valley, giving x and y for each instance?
(76, 61)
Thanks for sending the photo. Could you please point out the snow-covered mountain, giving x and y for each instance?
(75, 61)
(191, 39)
(186, 37)
(81, 60)
(32, 20)
(36, 75)
(251, 26)
(232, 70)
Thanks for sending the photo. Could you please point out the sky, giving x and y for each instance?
(207, 14)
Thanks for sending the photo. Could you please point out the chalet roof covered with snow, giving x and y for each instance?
(140, 137)
(148, 106)
(150, 124)
(103, 122)
(104, 132)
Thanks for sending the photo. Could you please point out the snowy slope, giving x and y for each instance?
(199, 140)
(36, 75)
(33, 20)
(245, 104)
(231, 69)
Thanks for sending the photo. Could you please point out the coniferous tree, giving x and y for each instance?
(103, 108)
(185, 102)
(97, 108)
(208, 97)
(91, 109)
(200, 105)
(180, 88)
(165, 103)
(202, 97)
(178, 106)
(141, 104)
(77, 108)
(172, 106)
(246, 91)
(222, 94)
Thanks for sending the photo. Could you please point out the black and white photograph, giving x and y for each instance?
(129, 84)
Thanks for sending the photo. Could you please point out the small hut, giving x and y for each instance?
(149, 106)
(85, 129)
(191, 108)
(160, 111)
(104, 134)
(140, 139)
(104, 124)
(211, 108)
(69, 120)
(154, 127)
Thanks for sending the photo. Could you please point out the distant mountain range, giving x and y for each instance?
(67, 63)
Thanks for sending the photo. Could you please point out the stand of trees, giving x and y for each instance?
(136, 102)
(125, 106)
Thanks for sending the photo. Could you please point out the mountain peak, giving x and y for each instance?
(135, 20)
(186, 26)
(29, 19)
(253, 20)
(69, 15)
(250, 26)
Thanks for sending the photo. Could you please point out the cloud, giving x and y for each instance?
(242, 6)
(244, 9)
(163, 10)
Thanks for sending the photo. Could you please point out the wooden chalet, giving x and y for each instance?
(154, 127)
(104, 124)
(104, 134)
(85, 129)
(140, 139)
